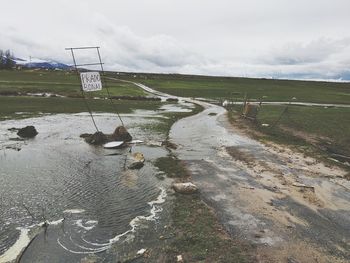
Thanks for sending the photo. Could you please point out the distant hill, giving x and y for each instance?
(39, 63)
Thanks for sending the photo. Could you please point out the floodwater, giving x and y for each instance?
(257, 201)
(252, 203)
(86, 193)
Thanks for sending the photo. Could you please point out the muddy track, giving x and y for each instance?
(290, 206)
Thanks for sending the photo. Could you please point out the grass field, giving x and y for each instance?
(237, 88)
(58, 82)
(19, 107)
(317, 130)
(325, 128)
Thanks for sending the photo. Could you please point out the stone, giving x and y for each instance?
(121, 134)
(27, 132)
(185, 188)
(141, 252)
(138, 161)
(169, 144)
(97, 138)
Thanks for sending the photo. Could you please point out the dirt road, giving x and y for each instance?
(294, 208)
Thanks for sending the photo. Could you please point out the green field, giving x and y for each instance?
(317, 130)
(20, 107)
(62, 83)
(326, 129)
(58, 82)
(237, 88)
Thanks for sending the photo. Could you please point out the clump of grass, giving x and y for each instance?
(199, 237)
(163, 125)
(317, 131)
(173, 167)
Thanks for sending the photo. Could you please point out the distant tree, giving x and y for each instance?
(9, 62)
(2, 59)
(6, 60)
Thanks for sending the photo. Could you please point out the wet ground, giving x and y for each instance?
(90, 200)
(259, 194)
(291, 206)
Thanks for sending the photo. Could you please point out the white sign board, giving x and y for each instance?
(91, 81)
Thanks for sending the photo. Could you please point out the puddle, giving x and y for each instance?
(89, 200)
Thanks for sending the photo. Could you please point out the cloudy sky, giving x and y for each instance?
(254, 38)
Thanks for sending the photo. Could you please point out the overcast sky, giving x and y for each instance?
(254, 38)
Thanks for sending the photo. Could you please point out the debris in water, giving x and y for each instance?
(27, 132)
(99, 138)
(169, 144)
(138, 161)
(112, 145)
(185, 188)
(179, 258)
(141, 252)
(136, 141)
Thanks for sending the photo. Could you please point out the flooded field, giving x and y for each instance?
(86, 193)
(275, 198)
(285, 204)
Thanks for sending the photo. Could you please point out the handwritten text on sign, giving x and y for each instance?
(91, 81)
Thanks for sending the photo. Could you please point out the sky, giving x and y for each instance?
(299, 39)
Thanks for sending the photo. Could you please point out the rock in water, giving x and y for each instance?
(138, 161)
(27, 132)
(185, 188)
(96, 138)
(121, 134)
(99, 138)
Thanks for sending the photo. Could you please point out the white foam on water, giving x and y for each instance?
(81, 252)
(55, 223)
(74, 211)
(133, 224)
(88, 224)
(22, 241)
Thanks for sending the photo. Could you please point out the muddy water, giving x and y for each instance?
(85, 193)
(252, 205)
(256, 199)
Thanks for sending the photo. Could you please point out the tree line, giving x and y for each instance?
(6, 60)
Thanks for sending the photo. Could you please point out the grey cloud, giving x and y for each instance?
(308, 38)
(300, 53)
